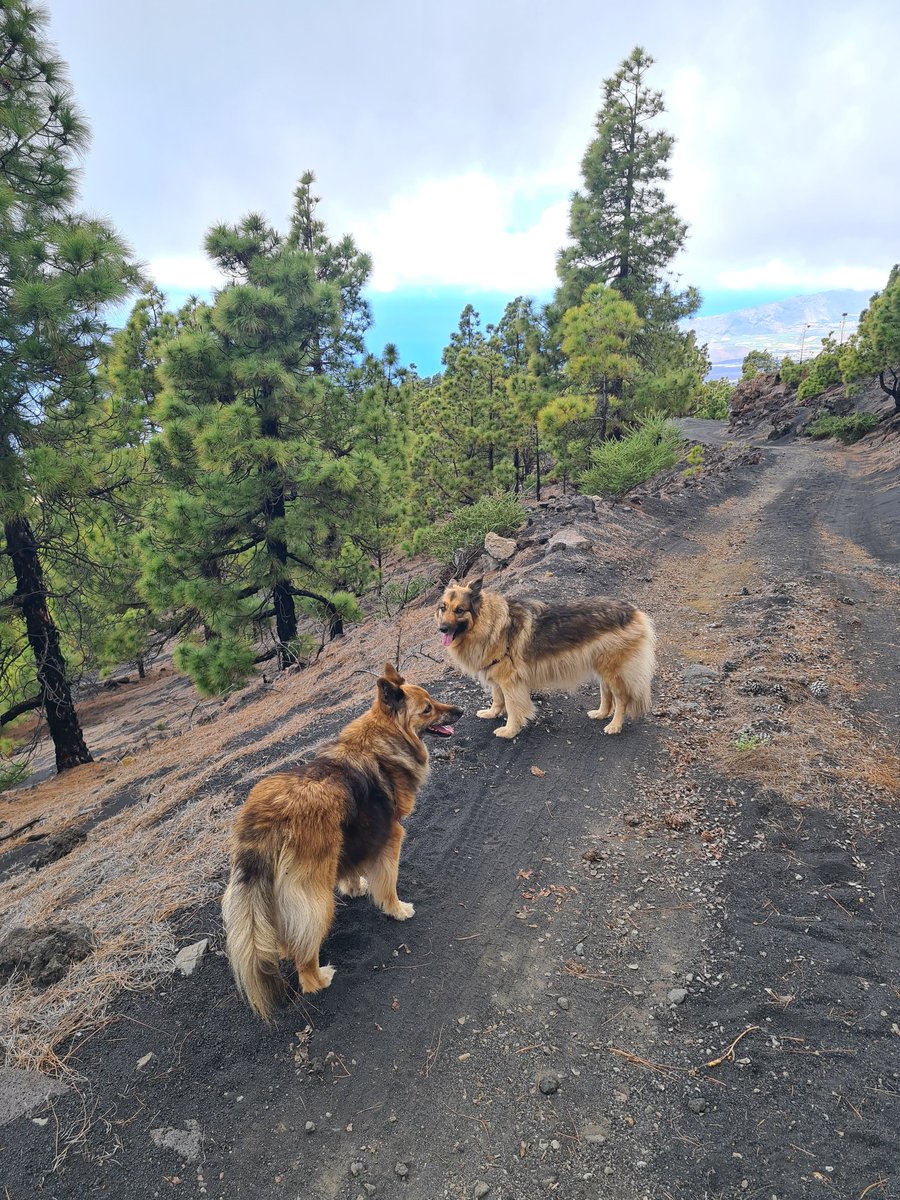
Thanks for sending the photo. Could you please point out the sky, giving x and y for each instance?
(447, 139)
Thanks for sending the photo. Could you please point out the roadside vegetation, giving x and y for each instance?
(237, 477)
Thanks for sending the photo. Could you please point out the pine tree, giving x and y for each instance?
(256, 446)
(597, 336)
(58, 272)
(625, 232)
(379, 406)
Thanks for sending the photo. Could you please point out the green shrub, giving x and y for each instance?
(794, 372)
(714, 400)
(848, 429)
(758, 362)
(824, 370)
(468, 526)
(615, 467)
(217, 665)
(695, 461)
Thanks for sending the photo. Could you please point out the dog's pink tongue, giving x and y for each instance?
(446, 638)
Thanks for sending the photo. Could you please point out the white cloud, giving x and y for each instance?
(778, 274)
(185, 272)
(468, 231)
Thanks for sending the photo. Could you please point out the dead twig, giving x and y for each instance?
(637, 1061)
(882, 1182)
(728, 1055)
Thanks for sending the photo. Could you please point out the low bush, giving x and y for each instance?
(468, 526)
(615, 467)
(848, 429)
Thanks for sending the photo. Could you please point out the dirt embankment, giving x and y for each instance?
(766, 406)
(662, 966)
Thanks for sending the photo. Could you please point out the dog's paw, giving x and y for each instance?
(598, 714)
(353, 887)
(506, 732)
(488, 714)
(403, 911)
(326, 974)
(613, 728)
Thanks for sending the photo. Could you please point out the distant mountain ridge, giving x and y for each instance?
(788, 326)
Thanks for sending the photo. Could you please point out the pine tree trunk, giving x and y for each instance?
(43, 637)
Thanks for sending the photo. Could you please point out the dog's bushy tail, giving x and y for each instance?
(638, 671)
(249, 913)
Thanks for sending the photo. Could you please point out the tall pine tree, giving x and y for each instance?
(58, 272)
(256, 445)
(625, 233)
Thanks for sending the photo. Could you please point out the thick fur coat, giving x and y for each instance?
(333, 822)
(516, 647)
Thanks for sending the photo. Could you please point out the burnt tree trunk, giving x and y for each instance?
(43, 637)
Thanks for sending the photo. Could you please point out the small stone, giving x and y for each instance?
(401, 1169)
(568, 539)
(847, 600)
(563, 1003)
(697, 1105)
(579, 949)
(145, 1060)
(370, 1189)
(188, 957)
(310, 1127)
(356, 1168)
(548, 1084)
(676, 996)
(594, 1135)
(481, 1189)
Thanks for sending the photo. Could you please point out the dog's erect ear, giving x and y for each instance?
(391, 695)
(453, 583)
(474, 587)
(390, 672)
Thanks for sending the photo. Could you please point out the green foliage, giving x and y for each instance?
(467, 527)
(793, 373)
(217, 665)
(12, 774)
(396, 596)
(824, 371)
(617, 466)
(758, 362)
(280, 458)
(695, 461)
(713, 400)
(847, 429)
(750, 741)
(59, 270)
(624, 231)
(875, 347)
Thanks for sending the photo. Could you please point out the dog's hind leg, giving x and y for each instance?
(620, 704)
(498, 705)
(382, 874)
(519, 711)
(306, 910)
(353, 885)
(605, 706)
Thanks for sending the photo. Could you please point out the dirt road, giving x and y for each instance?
(661, 966)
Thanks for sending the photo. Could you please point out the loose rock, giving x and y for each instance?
(188, 957)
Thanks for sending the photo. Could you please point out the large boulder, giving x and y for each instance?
(500, 548)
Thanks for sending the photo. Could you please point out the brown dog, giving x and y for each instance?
(303, 832)
(520, 646)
